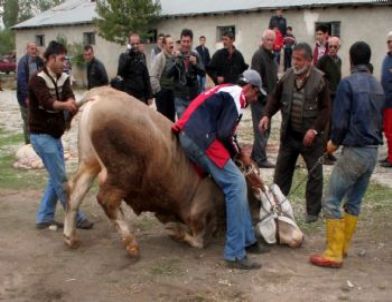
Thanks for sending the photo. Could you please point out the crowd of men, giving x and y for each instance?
(320, 112)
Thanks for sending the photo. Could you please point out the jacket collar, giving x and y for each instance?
(359, 68)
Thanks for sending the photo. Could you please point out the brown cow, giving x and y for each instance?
(140, 161)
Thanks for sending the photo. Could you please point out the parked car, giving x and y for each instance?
(7, 65)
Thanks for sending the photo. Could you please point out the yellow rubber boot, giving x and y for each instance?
(350, 224)
(333, 255)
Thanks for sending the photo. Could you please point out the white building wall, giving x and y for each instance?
(369, 24)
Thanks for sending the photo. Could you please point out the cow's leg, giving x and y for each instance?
(78, 186)
(110, 199)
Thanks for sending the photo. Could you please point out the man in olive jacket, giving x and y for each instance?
(303, 98)
(263, 62)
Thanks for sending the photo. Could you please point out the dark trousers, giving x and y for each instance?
(260, 138)
(289, 150)
(164, 100)
(288, 52)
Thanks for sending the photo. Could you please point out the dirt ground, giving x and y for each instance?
(35, 265)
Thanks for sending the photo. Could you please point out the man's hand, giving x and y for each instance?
(331, 147)
(193, 59)
(264, 123)
(149, 102)
(27, 102)
(309, 137)
(220, 80)
(69, 105)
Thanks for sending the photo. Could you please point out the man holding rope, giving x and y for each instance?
(357, 126)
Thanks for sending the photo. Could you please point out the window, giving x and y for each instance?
(89, 38)
(333, 27)
(152, 36)
(40, 40)
(220, 30)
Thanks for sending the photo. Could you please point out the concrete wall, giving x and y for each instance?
(106, 51)
(369, 24)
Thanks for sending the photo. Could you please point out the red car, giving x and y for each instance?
(7, 65)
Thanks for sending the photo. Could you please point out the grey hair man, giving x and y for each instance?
(263, 62)
(303, 99)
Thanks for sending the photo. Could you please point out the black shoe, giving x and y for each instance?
(383, 160)
(386, 164)
(85, 225)
(244, 264)
(311, 218)
(266, 164)
(257, 248)
(45, 225)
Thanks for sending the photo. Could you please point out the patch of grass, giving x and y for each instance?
(166, 267)
(10, 177)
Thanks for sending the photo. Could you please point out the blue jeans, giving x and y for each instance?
(350, 178)
(239, 230)
(51, 151)
(181, 104)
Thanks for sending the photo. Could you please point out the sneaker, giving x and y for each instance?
(85, 225)
(45, 225)
(244, 264)
(311, 218)
(386, 164)
(266, 164)
(257, 248)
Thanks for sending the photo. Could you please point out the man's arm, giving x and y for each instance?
(244, 66)
(22, 84)
(324, 108)
(103, 76)
(156, 72)
(213, 68)
(273, 101)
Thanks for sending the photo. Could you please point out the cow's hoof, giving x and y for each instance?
(133, 250)
(72, 243)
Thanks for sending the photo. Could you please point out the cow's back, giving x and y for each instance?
(141, 154)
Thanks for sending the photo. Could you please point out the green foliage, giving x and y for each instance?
(11, 178)
(117, 18)
(7, 41)
(75, 51)
(10, 12)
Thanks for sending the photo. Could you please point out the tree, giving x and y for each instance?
(117, 18)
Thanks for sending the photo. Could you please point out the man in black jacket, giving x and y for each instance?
(205, 58)
(227, 64)
(133, 70)
(263, 62)
(184, 72)
(96, 72)
(278, 21)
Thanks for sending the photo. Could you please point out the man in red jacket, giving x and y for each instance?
(206, 133)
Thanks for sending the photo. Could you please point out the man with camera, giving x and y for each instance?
(133, 70)
(184, 73)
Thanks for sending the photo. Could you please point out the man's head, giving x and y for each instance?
(88, 53)
(186, 39)
(322, 33)
(134, 42)
(360, 53)
(31, 49)
(55, 57)
(202, 40)
(279, 12)
(251, 84)
(301, 58)
(160, 39)
(389, 41)
(333, 46)
(289, 30)
(168, 44)
(268, 39)
(228, 39)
